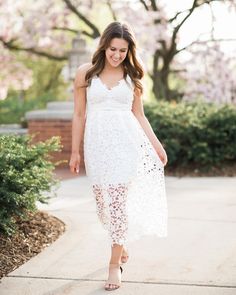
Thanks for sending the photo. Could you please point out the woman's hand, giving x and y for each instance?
(163, 156)
(74, 163)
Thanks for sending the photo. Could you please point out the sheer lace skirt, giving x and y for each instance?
(127, 177)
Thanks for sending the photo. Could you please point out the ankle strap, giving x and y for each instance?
(114, 264)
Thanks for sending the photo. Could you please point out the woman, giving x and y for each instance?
(123, 158)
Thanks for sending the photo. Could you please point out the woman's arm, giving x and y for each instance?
(79, 117)
(138, 111)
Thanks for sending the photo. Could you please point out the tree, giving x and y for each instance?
(210, 75)
(160, 32)
(42, 30)
(46, 29)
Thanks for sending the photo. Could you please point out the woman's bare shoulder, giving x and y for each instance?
(82, 69)
(81, 73)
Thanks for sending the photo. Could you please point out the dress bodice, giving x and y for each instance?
(118, 98)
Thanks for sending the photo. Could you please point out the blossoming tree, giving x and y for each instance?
(45, 29)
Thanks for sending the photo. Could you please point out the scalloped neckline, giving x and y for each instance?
(111, 88)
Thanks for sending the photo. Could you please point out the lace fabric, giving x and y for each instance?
(126, 174)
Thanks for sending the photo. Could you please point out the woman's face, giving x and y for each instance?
(116, 52)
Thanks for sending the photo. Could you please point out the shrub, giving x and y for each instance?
(25, 175)
(195, 133)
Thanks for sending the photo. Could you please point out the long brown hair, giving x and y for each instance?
(131, 65)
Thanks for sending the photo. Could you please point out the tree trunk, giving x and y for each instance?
(161, 86)
(160, 78)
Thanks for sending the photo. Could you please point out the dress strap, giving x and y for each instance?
(129, 80)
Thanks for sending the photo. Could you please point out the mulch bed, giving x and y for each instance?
(194, 171)
(32, 236)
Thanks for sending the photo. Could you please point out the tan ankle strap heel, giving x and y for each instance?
(114, 279)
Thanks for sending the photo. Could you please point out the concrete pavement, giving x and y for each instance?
(197, 257)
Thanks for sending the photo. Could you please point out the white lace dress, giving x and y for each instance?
(126, 174)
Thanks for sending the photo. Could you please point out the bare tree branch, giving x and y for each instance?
(186, 10)
(144, 4)
(196, 3)
(154, 5)
(212, 22)
(73, 31)
(204, 42)
(91, 35)
(65, 29)
(201, 2)
(172, 50)
(178, 71)
(95, 30)
(108, 2)
(177, 14)
(176, 29)
(162, 69)
(11, 46)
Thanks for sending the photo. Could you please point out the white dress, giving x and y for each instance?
(126, 174)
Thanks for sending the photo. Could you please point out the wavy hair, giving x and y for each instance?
(131, 65)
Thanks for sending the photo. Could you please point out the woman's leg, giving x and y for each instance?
(125, 255)
(118, 231)
(116, 252)
(100, 203)
(114, 267)
(118, 226)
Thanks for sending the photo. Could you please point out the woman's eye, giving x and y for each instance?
(112, 49)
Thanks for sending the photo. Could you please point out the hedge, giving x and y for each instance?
(196, 133)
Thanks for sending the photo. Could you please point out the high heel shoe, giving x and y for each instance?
(114, 279)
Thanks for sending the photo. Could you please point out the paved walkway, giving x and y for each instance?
(197, 257)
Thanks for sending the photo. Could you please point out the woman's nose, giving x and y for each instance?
(117, 55)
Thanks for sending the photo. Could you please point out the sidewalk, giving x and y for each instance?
(197, 257)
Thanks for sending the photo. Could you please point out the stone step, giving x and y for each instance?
(12, 129)
(49, 115)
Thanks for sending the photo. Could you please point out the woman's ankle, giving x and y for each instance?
(114, 262)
